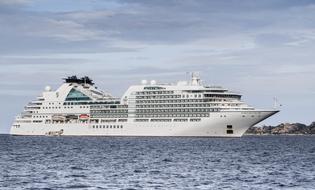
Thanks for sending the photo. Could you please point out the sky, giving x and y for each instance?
(263, 49)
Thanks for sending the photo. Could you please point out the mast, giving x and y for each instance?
(195, 79)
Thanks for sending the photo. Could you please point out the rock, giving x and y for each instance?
(284, 128)
(312, 128)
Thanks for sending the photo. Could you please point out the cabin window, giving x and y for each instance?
(229, 131)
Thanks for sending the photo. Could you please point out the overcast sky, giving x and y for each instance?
(263, 49)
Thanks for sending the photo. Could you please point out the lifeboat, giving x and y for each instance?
(84, 117)
(71, 117)
(58, 118)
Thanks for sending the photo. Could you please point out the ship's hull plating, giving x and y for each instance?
(219, 124)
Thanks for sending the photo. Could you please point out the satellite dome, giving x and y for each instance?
(153, 82)
(144, 82)
(47, 88)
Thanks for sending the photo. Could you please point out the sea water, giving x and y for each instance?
(250, 162)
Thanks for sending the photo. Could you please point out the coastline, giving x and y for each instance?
(264, 134)
(283, 129)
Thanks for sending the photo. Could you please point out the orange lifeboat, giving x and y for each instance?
(84, 117)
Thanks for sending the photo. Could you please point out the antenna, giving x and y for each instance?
(187, 76)
(276, 103)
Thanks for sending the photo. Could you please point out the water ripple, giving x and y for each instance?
(269, 162)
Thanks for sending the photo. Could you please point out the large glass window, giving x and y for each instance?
(75, 95)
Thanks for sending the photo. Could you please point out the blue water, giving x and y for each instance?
(268, 162)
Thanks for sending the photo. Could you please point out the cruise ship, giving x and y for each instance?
(185, 108)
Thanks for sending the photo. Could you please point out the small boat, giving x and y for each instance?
(54, 133)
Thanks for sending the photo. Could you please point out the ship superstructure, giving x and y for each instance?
(187, 108)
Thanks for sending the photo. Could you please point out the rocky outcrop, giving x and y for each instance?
(283, 128)
(312, 128)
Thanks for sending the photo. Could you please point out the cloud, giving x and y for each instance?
(86, 16)
(157, 22)
(262, 48)
(37, 60)
(14, 2)
(65, 30)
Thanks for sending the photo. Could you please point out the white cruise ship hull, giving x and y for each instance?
(218, 124)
